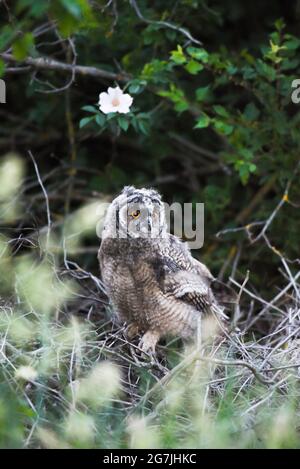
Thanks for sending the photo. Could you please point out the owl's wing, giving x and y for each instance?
(183, 277)
(178, 252)
(189, 287)
(193, 289)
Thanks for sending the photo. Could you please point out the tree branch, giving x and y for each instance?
(46, 63)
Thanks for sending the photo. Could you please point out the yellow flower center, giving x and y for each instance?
(115, 102)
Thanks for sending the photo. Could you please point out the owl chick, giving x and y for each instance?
(151, 278)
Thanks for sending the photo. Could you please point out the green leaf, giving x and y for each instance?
(6, 35)
(248, 72)
(249, 58)
(136, 86)
(265, 70)
(202, 93)
(89, 109)
(244, 168)
(110, 115)
(100, 120)
(251, 112)
(154, 70)
(123, 123)
(71, 15)
(134, 123)
(181, 106)
(151, 35)
(202, 122)
(292, 44)
(193, 67)
(289, 64)
(73, 7)
(2, 67)
(143, 127)
(198, 53)
(164, 93)
(221, 111)
(223, 127)
(23, 46)
(279, 24)
(176, 95)
(231, 69)
(246, 153)
(86, 120)
(244, 174)
(178, 56)
(36, 9)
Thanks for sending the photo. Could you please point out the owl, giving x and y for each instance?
(151, 278)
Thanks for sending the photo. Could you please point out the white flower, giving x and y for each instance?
(115, 101)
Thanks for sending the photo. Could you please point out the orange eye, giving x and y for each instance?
(135, 214)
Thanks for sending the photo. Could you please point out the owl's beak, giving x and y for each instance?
(150, 219)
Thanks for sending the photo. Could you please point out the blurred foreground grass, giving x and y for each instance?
(64, 385)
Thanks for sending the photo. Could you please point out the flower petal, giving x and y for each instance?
(125, 104)
(127, 99)
(118, 93)
(104, 98)
(123, 109)
(113, 91)
(106, 108)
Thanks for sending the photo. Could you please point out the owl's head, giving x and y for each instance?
(136, 213)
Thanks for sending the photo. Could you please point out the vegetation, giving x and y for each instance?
(212, 121)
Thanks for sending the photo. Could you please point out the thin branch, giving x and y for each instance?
(261, 300)
(46, 198)
(165, 24)
(277, 297)
(282, 201)
(237, 311)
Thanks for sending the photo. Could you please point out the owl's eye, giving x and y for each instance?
(135, 214)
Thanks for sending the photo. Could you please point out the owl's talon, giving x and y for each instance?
(131, 331)
(148, 342)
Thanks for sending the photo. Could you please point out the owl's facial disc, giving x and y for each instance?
(141, 218)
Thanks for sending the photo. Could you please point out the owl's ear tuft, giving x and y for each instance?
(155, 193)
(128, 190)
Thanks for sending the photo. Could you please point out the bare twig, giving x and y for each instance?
(46, 198)
(237, 305)
(165, 24)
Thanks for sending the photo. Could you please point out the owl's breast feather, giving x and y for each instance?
(127, 273)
